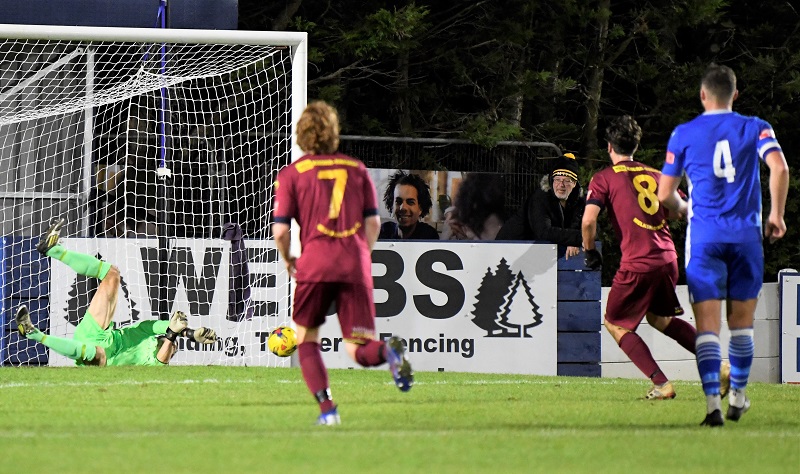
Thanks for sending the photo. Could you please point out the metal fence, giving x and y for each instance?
(520, 163)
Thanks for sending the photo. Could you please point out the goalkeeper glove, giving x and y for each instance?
(593, 259)
(177, 323)
(201, 335)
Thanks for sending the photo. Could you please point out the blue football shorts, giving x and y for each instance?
(718, 271)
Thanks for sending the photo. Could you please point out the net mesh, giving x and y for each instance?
(161, 158)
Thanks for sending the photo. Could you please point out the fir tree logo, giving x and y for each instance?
(498, 293)
(82, 291)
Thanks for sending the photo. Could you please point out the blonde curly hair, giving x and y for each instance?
(318, 129)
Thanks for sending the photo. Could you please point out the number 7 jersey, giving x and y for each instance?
(720, 153)
(329, 196)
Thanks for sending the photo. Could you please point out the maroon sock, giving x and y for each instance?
(683, 333)
(370, 354)
(315, 374)
(638, 352)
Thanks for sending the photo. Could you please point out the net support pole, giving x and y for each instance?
(88, 143)
(162, 110)
(163, 175)
(41, 74)
(299, 101)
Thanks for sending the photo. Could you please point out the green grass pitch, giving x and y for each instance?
(248, 419)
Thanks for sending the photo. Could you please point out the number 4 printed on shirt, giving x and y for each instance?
(722, 156)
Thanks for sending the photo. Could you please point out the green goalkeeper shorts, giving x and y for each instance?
(131, 345)
(89, 331)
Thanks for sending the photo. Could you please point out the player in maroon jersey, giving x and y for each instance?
(645, 283)
(332, 198)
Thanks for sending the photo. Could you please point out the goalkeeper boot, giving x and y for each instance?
(50, 238)
(661, 392)
(329, 418)
(713, 419)
(398, 364)
(739, 404)
(23, 320)
(724, 378)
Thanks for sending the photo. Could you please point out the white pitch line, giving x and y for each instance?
(121, 382)
(10, 385)
(327, 431)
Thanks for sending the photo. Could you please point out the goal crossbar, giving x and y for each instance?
(103, 33)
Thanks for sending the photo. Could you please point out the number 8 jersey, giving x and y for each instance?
(720, 153)
(627, 191)
(329, 196)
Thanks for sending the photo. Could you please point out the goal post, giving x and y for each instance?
(160, 148)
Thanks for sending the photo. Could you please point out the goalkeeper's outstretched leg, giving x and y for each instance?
(104, 302)
(85, 353)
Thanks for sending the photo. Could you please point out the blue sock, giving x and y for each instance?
(740, 354)
(709, 357)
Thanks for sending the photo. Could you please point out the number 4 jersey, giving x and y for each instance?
(329, 196)
(720, 153)
(627, 191)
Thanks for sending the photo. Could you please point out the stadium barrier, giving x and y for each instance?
(680, 364)
(579, 317)
(465, 306)
(788, 287)
(581, 347)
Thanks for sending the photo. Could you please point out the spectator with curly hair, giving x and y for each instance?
(408, 198)
(479, 211)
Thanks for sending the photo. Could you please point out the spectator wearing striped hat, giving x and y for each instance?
(553, 212)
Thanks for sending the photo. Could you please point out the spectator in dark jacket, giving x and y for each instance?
(554, 211)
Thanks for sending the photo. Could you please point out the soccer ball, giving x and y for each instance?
(282, 341)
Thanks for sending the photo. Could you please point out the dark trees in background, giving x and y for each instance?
(548, 71)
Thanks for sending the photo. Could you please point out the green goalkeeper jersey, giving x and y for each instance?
(137, 344)
(132, 345)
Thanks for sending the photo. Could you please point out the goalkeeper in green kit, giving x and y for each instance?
(150, 342)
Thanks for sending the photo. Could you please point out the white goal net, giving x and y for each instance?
(159, 148)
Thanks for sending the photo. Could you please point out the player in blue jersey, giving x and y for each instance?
(720, 152)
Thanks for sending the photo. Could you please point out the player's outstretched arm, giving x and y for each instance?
(166, 351)
(589, 225)
(669, 197)
(177, 323)
(593, 259)
(775, 227)
(202, 335)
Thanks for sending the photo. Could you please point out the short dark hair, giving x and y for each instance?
(423, 191)
(720, 81)
(624, 135)
(479, 196)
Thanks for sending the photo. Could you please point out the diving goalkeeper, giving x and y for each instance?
(150, 342)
